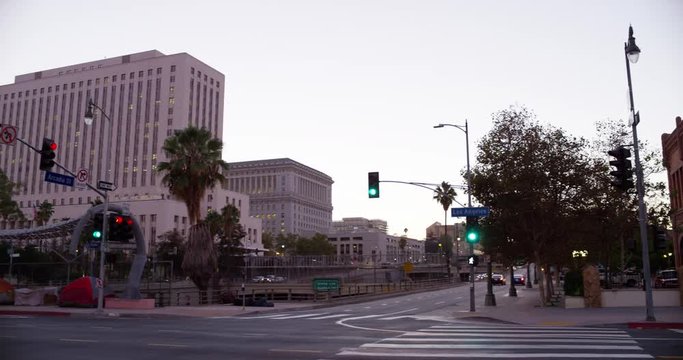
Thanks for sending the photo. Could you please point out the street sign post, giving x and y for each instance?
(60, 179)
(470, 211)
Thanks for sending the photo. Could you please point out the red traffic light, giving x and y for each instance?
(118, 219)
(53, 146)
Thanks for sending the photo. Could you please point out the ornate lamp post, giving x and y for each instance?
(631, 54)
(88, 119)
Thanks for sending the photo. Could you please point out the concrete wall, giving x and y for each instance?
(636, 297)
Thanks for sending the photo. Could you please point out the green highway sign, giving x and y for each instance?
(326, 284)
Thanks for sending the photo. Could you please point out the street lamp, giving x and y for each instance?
(469, 199)
(631, 54)
(88, 119)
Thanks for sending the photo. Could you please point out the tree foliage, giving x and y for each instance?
(9, 209)
(194, 166)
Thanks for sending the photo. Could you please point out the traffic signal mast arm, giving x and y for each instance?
(424, 185)
(61, 167)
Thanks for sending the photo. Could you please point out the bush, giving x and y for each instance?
(573, 283)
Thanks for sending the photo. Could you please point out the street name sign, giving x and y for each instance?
(105, 185)
(470, 211)
(59, 178)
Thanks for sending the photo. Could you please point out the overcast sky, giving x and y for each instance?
(348, 87)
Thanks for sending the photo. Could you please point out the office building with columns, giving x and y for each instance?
(289, 197)
(146, 97)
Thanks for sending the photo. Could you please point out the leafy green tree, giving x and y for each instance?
(317, 245)
(194, 165)
(44, 213)
(444, 195)
(9, 209)
(531, 176)
(171, 247)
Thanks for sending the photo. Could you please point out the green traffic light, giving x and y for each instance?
(96, 234)
(472, 237)
(372, 192)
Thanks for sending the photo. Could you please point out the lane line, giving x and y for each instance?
(80, 340)
(501, 346)
(328, 316)
(297, 316)
(516, 340)
(296, 351)
(417, 355)
(168, 345)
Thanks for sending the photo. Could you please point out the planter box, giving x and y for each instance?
(573, 302)
(116, 303)
(636, 297)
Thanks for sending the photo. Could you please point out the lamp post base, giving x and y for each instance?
(490, 300)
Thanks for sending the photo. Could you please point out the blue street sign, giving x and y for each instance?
(59, 178)
(470, 211)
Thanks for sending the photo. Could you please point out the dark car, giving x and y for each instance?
(519, 279)
(666, 278)
(497, 279)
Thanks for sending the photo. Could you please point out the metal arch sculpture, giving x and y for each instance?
(132, 290)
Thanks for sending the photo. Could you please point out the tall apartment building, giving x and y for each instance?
(146, 96)
(289, 197)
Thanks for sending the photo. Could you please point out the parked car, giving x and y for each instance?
(497, 279)
(258, 279)
(519, 279)
(666, 278)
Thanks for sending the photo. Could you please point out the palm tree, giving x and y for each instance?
(194, 165)
(444, 195)
(44, 213)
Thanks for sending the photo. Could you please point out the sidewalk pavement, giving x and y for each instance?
(523, 309)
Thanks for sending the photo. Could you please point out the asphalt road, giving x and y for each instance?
(409, 327)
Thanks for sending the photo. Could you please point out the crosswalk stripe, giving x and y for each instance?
(677, 330)
(512, 335)
(471, 342)
(502, 346)
(532, 341)
(470, 355)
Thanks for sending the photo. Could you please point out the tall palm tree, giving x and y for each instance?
(194, 165)
(44, 213)
(444, 194)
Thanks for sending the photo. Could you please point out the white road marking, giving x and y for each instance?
(167, 345)
(440, 302)
(260, 316)
(571, 341)
(80, 340)
(680, 331)
(328, 316)
(297, 316)
(101, 327)
(502, 346)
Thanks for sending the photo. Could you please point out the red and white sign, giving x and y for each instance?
(8, 135)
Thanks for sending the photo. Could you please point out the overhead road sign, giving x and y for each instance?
(470, 211)
(60, 179)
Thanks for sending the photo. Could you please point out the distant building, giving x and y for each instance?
(436, 230)
(287, 196)
(672, 149)
(147, 96)
(358, 223)
(365, 240)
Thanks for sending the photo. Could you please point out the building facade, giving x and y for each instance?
(672, 149)
(287, 196)
(355, 223)
(367, 244)
(145, 98)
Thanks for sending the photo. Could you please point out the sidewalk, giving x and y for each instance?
(523, 309)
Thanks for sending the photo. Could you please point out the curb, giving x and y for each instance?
(35, 313)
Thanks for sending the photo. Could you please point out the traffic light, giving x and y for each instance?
(47, 154)
(623, 175)
(473, 260)
(120, 228)
(472, 230)
(97, 223)
(373, 185)
(660, 238)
